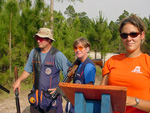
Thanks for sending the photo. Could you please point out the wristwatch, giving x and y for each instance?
(137, 101)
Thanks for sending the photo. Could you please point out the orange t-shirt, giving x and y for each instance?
(133, 73)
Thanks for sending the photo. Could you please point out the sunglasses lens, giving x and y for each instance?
(75, 48)
(39, 38)
(133, 35)
(36, 38)
(124, 35)
(80, 48)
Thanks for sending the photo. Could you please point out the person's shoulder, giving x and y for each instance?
(59, 54)
(117, 56)
(89, 66)
(32, 51)
(145, 56)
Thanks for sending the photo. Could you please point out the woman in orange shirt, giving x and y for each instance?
(131, 69)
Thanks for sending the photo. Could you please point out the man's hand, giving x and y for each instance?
(52, 90)
(16, 85)
(23, 76)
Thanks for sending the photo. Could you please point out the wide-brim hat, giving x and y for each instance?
(45, 33)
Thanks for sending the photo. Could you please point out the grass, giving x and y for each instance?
(98, 71)
(28, 83)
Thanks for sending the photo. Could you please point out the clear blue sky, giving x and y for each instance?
(111, 9)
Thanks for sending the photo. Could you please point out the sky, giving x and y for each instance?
(111, 9)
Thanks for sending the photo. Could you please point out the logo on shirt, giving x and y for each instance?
(32, 100)
(48, 71)
(54, 103)
(137, 70)
(78, 74)
(78, 82)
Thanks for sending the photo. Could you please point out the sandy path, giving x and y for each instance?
(8, 105)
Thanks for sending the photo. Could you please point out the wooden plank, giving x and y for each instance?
(94, 92)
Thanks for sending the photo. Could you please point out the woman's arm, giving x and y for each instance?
(104, 80)
(143, 104)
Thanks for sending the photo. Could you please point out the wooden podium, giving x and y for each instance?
(95, 98)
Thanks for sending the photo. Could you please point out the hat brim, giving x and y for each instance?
(43, 36)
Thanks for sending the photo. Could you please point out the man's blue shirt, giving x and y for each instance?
(61, 62)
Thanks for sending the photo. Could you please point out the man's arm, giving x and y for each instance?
(23, 76)
(29, 66)
(27, 70)
(62, 63)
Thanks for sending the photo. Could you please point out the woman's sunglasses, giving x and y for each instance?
(79, 48)
(132, 35)
(40, 39)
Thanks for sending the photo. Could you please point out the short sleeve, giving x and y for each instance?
(62, 63)
(89, 73)
(29, 66)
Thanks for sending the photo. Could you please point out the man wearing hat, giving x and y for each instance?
(46, 62)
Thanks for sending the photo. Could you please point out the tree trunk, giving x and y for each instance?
(95, 54)
(51, 11)
(119, 48)
(10, 44)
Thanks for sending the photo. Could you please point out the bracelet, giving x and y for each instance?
(137, 102)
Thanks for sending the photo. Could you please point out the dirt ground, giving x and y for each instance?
(8, 105)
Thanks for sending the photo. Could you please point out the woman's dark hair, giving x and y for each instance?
(134, 20)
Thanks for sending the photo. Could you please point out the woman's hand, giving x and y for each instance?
(130, 101)
(142, 105)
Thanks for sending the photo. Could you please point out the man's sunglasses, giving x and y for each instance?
(40, 39)
(79, 48)
(132, 35)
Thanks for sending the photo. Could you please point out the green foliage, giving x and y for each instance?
(124, 14)
(1, 4)
(27, 18)
(70, 0)
(145, 45)
(100, 35)
(98, 71)
(114, 44)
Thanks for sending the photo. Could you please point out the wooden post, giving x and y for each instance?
(95, 98)
(80, 103)
(106, 106)
(92, 106)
